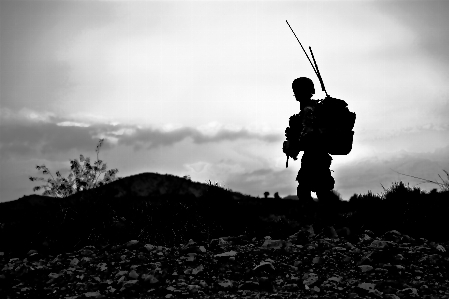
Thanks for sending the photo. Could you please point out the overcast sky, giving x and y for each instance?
(204, 89)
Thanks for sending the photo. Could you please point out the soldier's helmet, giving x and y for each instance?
(303, 85)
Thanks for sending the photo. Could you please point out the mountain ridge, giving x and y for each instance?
(147, 184)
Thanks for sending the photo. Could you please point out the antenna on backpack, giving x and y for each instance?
(318, 73)
(315, 67)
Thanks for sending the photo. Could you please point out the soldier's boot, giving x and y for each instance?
(344, 233)
(329, 232)
(327, 214)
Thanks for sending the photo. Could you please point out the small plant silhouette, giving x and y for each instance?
(80, 178)
(444, 186)
(216, 184)
(266, 193)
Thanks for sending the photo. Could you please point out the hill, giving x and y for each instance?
(134, 203)
(167, 210)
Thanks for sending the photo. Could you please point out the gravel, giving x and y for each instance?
(303, 266)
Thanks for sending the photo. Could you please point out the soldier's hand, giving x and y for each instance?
(290, 150)
(286, 146)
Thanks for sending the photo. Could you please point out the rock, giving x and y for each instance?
(329, 232)
(323, 268)
(275, 244)
(344, 232)
(300, 238)
(132, 243)
(33, 256)
(133, 274)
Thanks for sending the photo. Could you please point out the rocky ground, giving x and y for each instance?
(122, 240)
(303, 266)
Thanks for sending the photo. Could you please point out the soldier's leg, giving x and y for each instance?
(303, 178)
(324, 184)
(303, 193)
(305, 202)
(304, 190)
(327, 210)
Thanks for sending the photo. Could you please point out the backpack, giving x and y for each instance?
(336, 123)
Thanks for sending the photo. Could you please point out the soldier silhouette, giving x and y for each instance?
(304, 134)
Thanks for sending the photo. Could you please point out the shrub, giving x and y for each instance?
(80, 178)
(216, 185)
(444, 186)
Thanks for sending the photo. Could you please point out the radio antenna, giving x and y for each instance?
(315, 67)
(302, 48)
(318, 73)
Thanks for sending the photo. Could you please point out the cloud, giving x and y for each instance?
(429, 22)
(155, 137)
(440, 111)
(29, 134)
(237, 176)
(198, 63)
(256, 182)
(28, 138)
(352, 178)
(32, 33)
(386, 168)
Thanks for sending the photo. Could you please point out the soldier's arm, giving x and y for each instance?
(308, 121)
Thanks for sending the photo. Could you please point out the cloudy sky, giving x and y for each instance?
(204, 89)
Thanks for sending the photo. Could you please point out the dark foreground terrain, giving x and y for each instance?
(161, 236)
